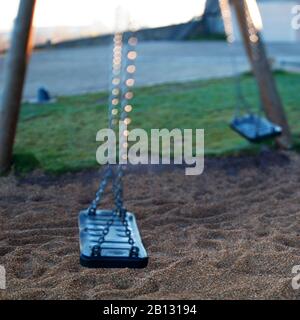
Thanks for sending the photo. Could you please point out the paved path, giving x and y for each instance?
(79, 70)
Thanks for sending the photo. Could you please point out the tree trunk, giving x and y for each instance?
(15, 71)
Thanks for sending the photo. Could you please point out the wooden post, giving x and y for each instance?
(15, 71)
(269, 94)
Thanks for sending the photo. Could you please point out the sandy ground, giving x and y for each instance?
(232, 232)
(86, 69)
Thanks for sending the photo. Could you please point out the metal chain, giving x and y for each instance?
(128, 70)
(228, 26)
(114, 102)
(254, 37)
(99, 194)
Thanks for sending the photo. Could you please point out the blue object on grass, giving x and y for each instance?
(43, 95)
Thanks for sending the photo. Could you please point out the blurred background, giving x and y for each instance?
(187, 74)
(83, 26)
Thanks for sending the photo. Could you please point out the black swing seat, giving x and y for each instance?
(254, 128)
(114, 250)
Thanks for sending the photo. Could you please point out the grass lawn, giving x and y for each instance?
(61, 137)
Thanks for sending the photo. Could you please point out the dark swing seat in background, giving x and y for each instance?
(254, 128)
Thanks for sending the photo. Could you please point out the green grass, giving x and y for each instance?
(61, 137)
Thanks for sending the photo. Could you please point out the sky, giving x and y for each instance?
(144, 13)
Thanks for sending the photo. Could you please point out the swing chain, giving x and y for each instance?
(254, 41)
(99, 194)
(228, 26)
(114, 97)
(127, 81)
(254, 36)
(120, 88)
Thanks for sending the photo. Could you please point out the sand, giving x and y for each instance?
(231, 233)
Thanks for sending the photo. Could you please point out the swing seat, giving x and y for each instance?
(114, 250)
(254, 128)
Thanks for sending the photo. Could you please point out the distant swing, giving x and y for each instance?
(253, 127)
(110, 238)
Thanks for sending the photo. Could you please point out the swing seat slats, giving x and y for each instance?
(114, 251)
(254, 128)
